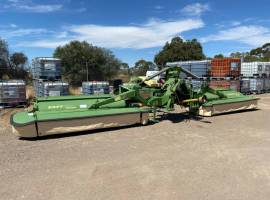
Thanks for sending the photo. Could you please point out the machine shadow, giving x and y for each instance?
(80, 133)
(183, 117)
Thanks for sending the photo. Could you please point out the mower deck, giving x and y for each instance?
(227, 105)
(67, 114)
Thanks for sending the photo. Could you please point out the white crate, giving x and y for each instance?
(250, 69)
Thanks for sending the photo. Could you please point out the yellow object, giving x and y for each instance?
(150, 83)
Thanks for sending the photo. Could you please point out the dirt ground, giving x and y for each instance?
(223, 157)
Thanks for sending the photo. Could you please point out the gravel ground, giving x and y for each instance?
(223, 157)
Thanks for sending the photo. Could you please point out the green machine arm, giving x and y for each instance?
(169, 88)
(168, 98)
(123, 96)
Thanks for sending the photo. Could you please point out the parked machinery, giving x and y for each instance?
(133, 104)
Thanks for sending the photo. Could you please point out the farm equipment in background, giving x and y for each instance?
(136, 103)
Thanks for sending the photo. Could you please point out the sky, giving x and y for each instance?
(134, 30)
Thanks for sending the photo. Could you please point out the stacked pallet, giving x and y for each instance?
(46, 68)
(218, 73)
(255, 77)
(229, 73)
(47, 77)
(95, 87)
(51, 88)
(225, 73)
(225, 67)
(200, 68)
(196, 84)
(12, 93)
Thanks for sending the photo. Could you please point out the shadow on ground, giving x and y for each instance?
(75, 134)
(183, 117)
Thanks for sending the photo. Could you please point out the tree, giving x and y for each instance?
(17, 62)
(18, 59)
(4, 58)
(12, 66)
(236, 55)
(124, 68)
(258, 54)
(179, 50)
(219, 56)
(78, 57)
(141, 67)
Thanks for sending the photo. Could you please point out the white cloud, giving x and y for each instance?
(28, 6)
(21, 32)
(251, 35)
(195, 9)
(152, 34)
(40, 8)
(227, 24)
(13, 1)
(63, 34)
(159, 7)
(13, 25)
(235, 23)
(44, 43)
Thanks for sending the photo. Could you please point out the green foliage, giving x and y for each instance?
(219, 56)
(12, 66)
(78, 56)
(4, 58)
(179, 50)
(124, 66)
(260, 54)
(17, 62)
(257, 54)
(141, 67)
(236, 55)
(124, 69)
(18, 59)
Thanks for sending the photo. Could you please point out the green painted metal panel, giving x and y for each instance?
(74, 103)
(229, 100)
(23, 118)
(41, 116)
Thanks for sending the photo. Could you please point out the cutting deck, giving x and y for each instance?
(56, 115)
